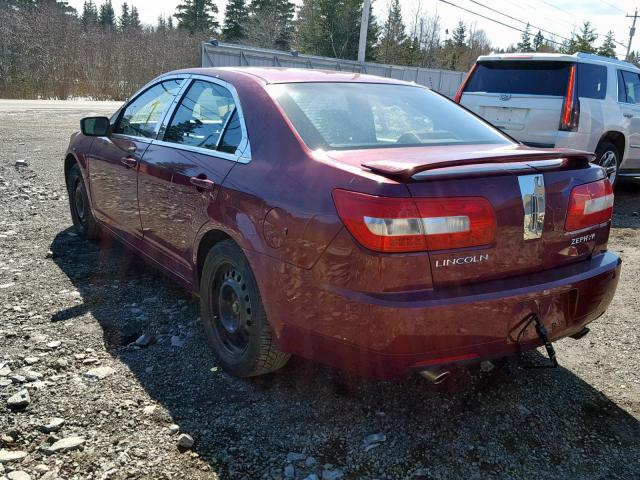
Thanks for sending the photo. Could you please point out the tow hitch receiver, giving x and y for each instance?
(544, 336)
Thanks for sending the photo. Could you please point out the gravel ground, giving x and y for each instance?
(100, 407)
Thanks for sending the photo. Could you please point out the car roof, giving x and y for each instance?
(580, 57)
(271, 75)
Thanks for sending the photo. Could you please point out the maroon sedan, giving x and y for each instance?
(366, 223)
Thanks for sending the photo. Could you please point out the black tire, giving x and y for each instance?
(608, 157)
(233, 316)
(84, 222)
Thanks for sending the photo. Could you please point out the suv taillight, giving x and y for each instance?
(590, 204)
(464, 83)
(571, 106)
(386, 224)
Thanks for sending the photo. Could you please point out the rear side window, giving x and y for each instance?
(628, 87)
(592, 81)
(520, 77)
(206, 113)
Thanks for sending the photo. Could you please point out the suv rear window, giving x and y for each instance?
(520, 77)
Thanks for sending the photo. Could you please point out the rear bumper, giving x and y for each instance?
(390, 334)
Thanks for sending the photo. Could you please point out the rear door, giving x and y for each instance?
(523, 98)
(629, 100)
(181, 172)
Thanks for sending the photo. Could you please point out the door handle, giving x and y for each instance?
(202, 183)
(129, 162)
(628, 115)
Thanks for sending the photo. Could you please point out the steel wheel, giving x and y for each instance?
(233, 316)
(232, 310)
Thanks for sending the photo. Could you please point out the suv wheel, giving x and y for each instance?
(234, 319)
(607, 157)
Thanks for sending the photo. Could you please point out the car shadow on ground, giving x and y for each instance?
(508, 423)
(626, 211)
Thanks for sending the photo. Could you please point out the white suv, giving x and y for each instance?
(580, 101)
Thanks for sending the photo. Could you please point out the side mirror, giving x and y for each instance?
(95, 126)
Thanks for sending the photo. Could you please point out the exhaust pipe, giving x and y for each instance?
(435, 375)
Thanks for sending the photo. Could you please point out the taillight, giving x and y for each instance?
(571, 105)
(464, 83)
(385, 224)
(590, 204)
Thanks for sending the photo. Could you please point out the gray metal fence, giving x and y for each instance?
(218, 54)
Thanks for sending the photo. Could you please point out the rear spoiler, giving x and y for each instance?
(405, 170)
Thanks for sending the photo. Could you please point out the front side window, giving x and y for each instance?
(368, 115)
(142, 116)
(207, 118)
(630, 86)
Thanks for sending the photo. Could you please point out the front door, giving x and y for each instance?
(114, 159)
(181, 173)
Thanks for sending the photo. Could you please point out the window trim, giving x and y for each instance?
(140, 92)
(243, 152)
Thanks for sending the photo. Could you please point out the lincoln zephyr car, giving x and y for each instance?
(366, 223)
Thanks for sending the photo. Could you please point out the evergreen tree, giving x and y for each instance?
(170, 25)
(89, 15)
(538, 41)
(331, 28)
(125, 17)
(455, 47)
(197, 16)
(525, 41)
(459, 37)
(162, 23)
(236, 20)
(373, 32)
(271, 23)
(107, 16)
(392, 47)
(584, 39)
(608, 47)
(134, 19)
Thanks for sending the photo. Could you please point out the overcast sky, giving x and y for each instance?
(557, 16)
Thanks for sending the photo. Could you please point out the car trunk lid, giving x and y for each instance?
(529, 191)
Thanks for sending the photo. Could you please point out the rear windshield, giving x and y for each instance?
(343, 116)
(520, 77)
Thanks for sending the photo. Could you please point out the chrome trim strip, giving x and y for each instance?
(533, 202)
(234, 157)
